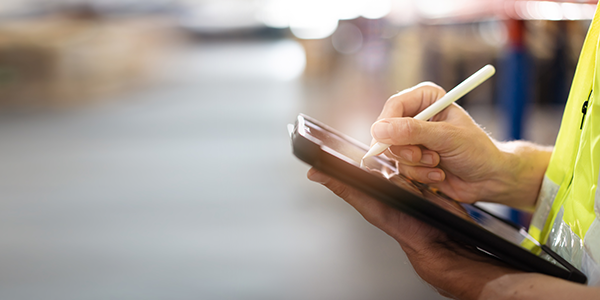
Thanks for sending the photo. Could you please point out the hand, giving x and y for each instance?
(453, 154)
(454, 270)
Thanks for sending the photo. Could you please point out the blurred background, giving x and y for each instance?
(144, 151)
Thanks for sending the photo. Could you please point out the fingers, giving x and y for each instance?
(415, 156)
(418, 163)
(396, 128)
(408, 131)
(316, 176)
(358, 200)
(411, 101)
(412, 234)
(375, 212)
(423, 174)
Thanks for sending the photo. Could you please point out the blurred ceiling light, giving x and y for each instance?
(348, 9)
(308, 19)
(544, 10)
(313, 28)
(571, 11)
(347, 39)
(219, 16)
(403, 12)
(316, 19)
(436, 8)
(275, 13)
(376, 9)
(584, 11)
(554, 11)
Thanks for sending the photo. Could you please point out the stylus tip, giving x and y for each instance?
(376, 149)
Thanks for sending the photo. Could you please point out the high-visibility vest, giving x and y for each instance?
(567, 216)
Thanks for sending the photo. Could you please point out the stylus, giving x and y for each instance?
(456, 93)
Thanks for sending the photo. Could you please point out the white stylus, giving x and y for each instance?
(456, 93)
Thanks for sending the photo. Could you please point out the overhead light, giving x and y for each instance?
(376, 9)
(317, 19)
(313, 28)
(554, 11)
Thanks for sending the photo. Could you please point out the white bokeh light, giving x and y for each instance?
(348, 9)
(275, 13)
(316, 28)
(317, 19)
(435, 8)
(571, 11)
(554, 11)
(376, 9)
(313, 19)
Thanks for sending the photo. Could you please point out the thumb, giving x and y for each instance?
(408, 131)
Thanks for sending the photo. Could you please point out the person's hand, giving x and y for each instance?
(453, 269)
(452, 153)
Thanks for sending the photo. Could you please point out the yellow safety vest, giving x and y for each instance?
(567, 216)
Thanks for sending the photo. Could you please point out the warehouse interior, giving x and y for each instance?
(144, 151)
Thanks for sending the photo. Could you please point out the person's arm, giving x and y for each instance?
(451, 152)
(522, 174)
(532, 286)
(455, 270)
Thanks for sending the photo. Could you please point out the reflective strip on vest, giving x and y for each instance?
(544, 205)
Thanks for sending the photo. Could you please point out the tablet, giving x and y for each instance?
(339, 156)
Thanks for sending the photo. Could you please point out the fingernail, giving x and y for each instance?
(435, 176)
(427, 159)
(316, 176)
(380, 130)
(407, 154)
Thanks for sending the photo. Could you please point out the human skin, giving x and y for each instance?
(455, 270)
(452, 153)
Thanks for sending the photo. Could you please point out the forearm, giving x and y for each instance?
(521, 175)
(536, 286)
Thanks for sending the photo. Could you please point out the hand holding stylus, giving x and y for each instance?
(455, 155)
(456, 93)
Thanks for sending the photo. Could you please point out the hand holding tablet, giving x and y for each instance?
(338, 156)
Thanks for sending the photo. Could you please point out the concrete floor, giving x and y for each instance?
(187, 190)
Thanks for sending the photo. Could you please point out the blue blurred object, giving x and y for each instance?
(514, 81)
(514, 90)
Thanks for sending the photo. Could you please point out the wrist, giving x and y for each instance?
(521, 173)
(535, 286)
